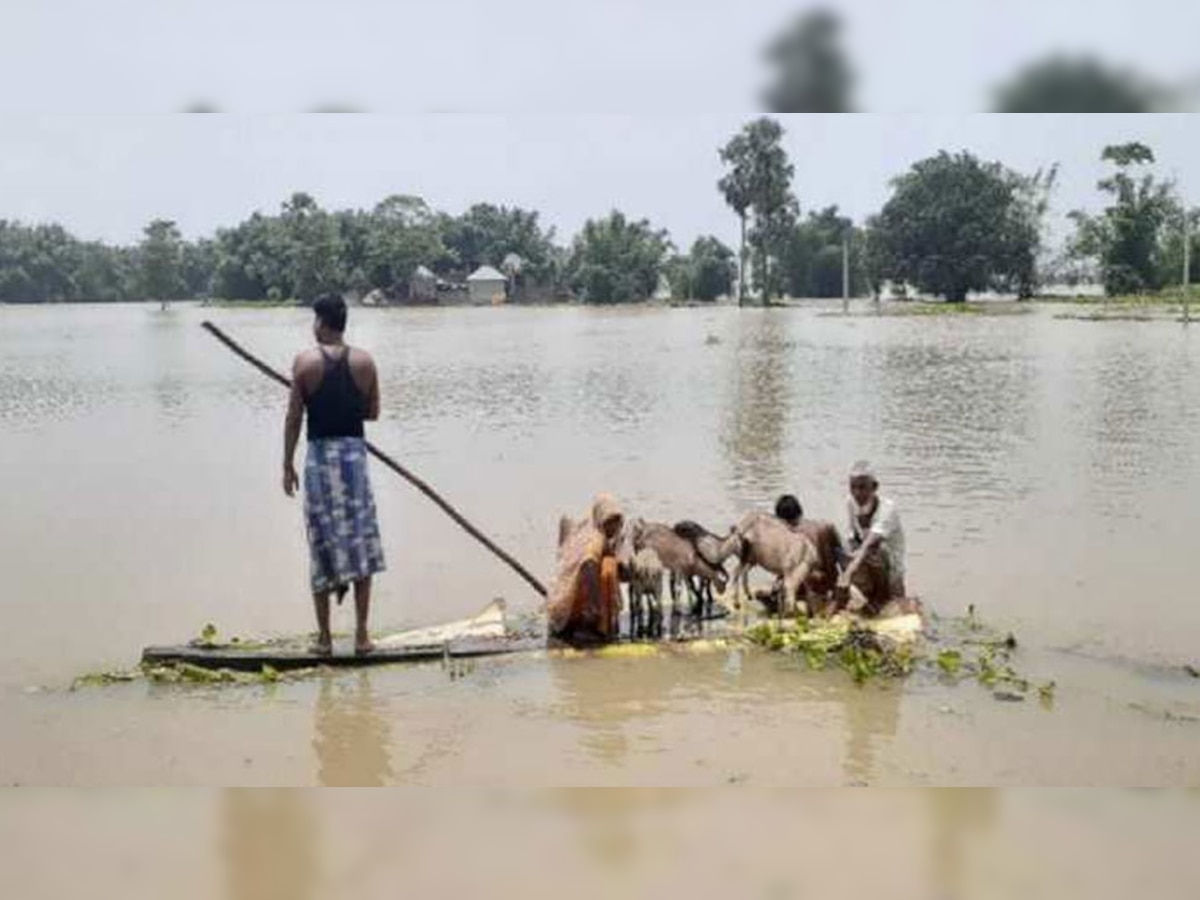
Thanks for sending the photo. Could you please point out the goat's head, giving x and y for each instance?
(721, 580)
(636, 530)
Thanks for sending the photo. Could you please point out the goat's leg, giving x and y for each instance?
(695, 587)
(693, 581)
(690, 584)
(740, 581)
(792, 582)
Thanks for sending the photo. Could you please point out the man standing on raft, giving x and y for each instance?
(337, 387)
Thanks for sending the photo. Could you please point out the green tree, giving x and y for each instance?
(712, 268)
(812, 72)
(313, 248)
(614, 260)
(108, 273)
(954, 224)
(198, 267)
(402, 234)
(38, 264)
(1028, 231)
(1128, 237)
(758, 185)
(812, 265)
(1062, 84)
(486, 234)
(1172, 248)
(161, 258)
(677, 269)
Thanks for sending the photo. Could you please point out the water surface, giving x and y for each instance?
(1045, 470)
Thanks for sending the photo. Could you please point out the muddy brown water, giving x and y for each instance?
(1046, 472)
(310, 845)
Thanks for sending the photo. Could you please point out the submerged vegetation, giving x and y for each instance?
(968, 651)
(186, 673)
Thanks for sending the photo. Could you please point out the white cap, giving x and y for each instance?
(863, 469)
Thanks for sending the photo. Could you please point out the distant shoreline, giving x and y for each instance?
(829, 306)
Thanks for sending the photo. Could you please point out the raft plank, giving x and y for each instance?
(290, 658)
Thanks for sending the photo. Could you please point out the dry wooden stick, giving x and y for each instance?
(391, 464)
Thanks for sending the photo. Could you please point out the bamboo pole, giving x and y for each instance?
(400, 470)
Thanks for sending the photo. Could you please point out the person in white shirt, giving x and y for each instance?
(873, 576)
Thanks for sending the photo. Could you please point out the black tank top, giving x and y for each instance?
(337, 407)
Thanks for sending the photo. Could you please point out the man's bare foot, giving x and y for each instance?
(363, 646)
(322, 646)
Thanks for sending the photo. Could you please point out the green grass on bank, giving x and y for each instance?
(251, 304)
(1168, 298)
(925, 308)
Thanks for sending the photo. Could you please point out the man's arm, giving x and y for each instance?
(873, 539)
(291, 429)
(372, 392)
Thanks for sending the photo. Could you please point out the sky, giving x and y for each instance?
(560, 56)
(105, 176)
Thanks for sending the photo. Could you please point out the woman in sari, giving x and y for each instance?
(584, 604)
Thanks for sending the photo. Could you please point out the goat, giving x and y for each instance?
(645, 590)
(770, 544)
(714, 551)
(680, 558)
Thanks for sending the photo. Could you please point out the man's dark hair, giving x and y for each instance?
(331, 310)
(789, 509)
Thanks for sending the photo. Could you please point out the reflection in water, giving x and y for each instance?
(958, 816)
(270, 844)
(604, 706)
(609, 819)
(870, 714)
(756, 413)
(628, 707)
(351, 734)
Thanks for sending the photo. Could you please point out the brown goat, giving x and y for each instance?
(770, 544)
(680, 558)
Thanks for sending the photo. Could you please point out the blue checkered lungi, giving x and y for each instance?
(339, 511)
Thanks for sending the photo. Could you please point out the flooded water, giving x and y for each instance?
(1046, 472)
(311, 845)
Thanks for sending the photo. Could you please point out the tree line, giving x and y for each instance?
(954, 224)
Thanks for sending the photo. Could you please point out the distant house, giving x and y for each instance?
(486, 285)
(422, 286)
(663, 291)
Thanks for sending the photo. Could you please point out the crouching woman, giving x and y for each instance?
(584, 604)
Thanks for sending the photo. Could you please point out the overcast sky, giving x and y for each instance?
(106, 176)
(544, 55)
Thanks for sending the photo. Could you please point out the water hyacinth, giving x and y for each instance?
(864, 654)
